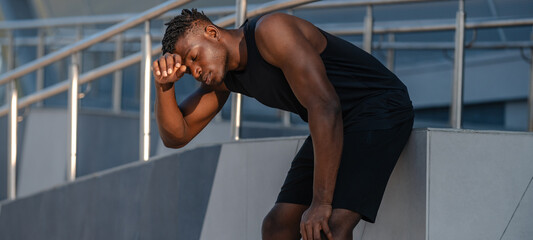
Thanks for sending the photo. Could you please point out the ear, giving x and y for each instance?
(212, 32)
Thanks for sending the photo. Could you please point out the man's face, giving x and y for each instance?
(204, 56)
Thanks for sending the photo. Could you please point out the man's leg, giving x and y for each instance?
(342, 222)
(283, 222)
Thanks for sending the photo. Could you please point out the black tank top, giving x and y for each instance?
(371, 96)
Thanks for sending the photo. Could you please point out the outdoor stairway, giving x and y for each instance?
(448, 184)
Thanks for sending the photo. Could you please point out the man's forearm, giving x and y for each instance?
(327, 133)
(171, 124)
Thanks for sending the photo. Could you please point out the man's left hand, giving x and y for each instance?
(315, 219)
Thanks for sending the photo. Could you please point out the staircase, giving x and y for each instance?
(448, 184)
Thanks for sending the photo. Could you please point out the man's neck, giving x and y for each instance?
(237, 54)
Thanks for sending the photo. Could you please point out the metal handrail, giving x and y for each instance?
(89, 41)
(379, 28)
(99, 19)
(131, 59)
(224, 22)
(132, 35)
(221, 10)
(450, 45)
(84, 78)
(348, 3)
(341, 29)
(421, 26)
(265, 8)
(126, 61)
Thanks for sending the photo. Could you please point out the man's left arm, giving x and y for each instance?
(306, 75)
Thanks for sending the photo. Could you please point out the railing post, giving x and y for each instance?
(458, 69)
(236, 98)
(286, 115)
(391, 53)
(368, 31)
(117, 76)
(9, 60)
(73, 104)
(530, 99)
(79, 55)
(39, 78)
(286, 118)
(12, 142)
(145, 94)
(11, 95)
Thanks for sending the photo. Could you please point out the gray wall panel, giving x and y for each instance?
(45, 146)
(21, 128)
(165, 198)
(175, 202)
(247, 182)
(266, 170)
(402, 212)
(476, 182)
(226, 210)
(44, 162)
(520, 225)
(196, 175)
(116, 203)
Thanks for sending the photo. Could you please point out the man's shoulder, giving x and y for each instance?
(282, 27)
(278, 34)
(272, 22)
(274, 18)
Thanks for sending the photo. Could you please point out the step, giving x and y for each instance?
(448, 184)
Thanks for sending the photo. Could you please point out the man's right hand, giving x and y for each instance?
(168, 68)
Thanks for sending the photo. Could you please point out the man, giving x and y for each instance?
(359, 113)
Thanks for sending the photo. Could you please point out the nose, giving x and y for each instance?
(196, 72)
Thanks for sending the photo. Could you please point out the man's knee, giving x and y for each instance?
(274, 222)
(270, 223)
(342, 222)
(282, 222)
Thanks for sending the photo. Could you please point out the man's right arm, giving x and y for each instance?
(178, 125)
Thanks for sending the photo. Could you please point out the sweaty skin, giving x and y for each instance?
(208, 55)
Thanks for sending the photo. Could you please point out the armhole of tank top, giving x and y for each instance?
(228, 79)
(327, 41)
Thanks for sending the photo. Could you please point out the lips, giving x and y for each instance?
(207, 79)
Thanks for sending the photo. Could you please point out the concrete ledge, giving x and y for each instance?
(477, 183)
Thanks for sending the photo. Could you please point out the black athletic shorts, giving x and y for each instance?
(368, 158)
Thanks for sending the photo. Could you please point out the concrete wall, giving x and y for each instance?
(161, 199)
(105, 140)
(458, 184)
(3, 152)
(480, 185)
(448, 184)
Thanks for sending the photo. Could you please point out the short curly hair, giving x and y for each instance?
(179, 25)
